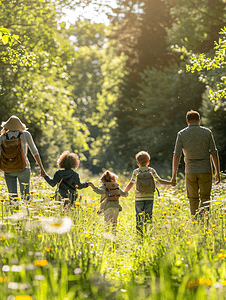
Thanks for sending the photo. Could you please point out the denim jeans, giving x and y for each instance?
(143, 214)
(24, 181)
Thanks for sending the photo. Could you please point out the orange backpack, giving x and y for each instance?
(12, 158)
(113, 192)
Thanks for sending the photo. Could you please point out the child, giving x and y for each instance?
(110, 193)
(68, 180)
(145, 187)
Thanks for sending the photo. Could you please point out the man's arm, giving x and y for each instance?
(216, 163)
(176, 161)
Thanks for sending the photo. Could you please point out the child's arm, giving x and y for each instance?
(52, 181)
(99, 190)
(129, 186)
(165, 182)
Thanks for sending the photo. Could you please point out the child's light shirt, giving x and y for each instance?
(102, 191)
(138, 195)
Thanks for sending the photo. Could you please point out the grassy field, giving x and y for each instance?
(48, 253)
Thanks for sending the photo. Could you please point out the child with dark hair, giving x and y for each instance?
(67, 179)
(110, 193)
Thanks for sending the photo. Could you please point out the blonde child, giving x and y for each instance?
(110, 193)
(144, 195)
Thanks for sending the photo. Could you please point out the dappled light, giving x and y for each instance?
(104, 80)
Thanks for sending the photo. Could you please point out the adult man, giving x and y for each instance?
(198, 147)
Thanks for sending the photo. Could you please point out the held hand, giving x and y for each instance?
(173, 182)
(91, 184)
(217, 178)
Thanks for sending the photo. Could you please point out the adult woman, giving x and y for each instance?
(13, 128)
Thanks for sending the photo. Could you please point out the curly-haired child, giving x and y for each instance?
(66, 178)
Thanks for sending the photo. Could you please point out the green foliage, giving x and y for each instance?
(14, 54)
(201, 62)
(197, 23)
(157, 113)
(38, 92)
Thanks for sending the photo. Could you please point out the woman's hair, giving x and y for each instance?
(108, 176)
(142, 158)
(4, 130)
(68, 161)
(192, 115)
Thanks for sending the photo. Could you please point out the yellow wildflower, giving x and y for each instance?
(220, 255)
(41, 263)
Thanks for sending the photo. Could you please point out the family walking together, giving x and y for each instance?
(195, 142)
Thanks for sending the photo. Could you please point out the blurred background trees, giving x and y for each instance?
(107, 91)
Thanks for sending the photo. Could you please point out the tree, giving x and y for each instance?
(201, 63)
(95, 77)
(36, 92)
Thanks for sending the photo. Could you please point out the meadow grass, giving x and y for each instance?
(49, 253)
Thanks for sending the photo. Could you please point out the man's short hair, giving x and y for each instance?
(192, 115)
(142, 158)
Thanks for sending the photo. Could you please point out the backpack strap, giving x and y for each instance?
(7, 136)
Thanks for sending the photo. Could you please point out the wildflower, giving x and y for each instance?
(78, 271)
(188, 242)
(77, 204)
(39, 277)
(223, 282)
(221, 217)
(140, 214)
(218, 285)
(47, 249)
(39, 236)
(87, 236)
(192, 283)
(76, 186)
(18, 215)
(41, 263)
(220, 255)
(56, 225)
(208, 282)
(148, 221)
(4, 279)
(2, 238)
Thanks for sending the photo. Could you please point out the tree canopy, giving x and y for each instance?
(109, 91)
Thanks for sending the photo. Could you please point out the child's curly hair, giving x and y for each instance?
(108, 176)
(68, 161)
(142, 158)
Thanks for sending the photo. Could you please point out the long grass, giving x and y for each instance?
(49, 253)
